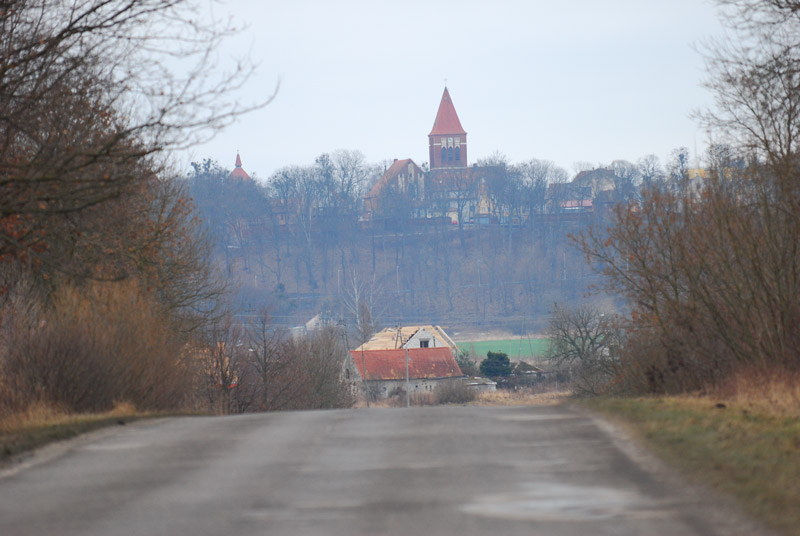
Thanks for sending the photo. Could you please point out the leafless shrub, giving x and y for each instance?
(319, 368)
(257, 368)
(453, 392)
(93, 347)
(222, 363)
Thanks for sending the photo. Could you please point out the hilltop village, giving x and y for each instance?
(451, 240)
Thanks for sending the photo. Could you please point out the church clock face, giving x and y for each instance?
(449, 140)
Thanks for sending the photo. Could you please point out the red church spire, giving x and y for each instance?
(238, 172)
(446, 121)
(447, 141)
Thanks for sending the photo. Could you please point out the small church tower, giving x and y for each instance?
(238, 172)
(447, 140)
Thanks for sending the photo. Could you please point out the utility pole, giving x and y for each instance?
(408, 395)
(364, 379)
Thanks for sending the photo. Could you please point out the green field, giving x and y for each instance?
(514, 348)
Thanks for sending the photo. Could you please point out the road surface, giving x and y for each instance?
(546, 470)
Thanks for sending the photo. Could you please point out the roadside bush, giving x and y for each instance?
(320, 359)
(90, 348)
(453, 392)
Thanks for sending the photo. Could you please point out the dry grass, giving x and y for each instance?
(521, 397)
(745, 443)
(41, 424)
(503, 397)
(773, 393)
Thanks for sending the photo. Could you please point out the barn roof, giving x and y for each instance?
(423, 363)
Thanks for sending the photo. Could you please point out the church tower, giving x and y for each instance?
(447, 140)
(238, 172)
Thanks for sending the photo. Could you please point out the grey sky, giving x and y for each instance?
(565, 81)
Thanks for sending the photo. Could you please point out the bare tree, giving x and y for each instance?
(88, 88)
(536, 176)
(455, 189)
(224, 369)
(273, 363)
(678, 170)
(363, 300)
(626, 179)
(586, 343)
(755, 82)
(650, 170)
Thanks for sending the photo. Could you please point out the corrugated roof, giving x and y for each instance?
(391, 364)
(446, 121)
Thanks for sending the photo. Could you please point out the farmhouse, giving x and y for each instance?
(410, 337)
(384, 371)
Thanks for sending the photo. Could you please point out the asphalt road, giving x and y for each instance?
(440, 470)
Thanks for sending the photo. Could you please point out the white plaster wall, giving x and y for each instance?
(423, 334)
(386, 387)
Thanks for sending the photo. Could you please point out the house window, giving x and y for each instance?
(444, 154)
(450, 153)
(458, 154)
(424, 343)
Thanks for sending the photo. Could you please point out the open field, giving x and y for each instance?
(514, 348)
(737, 447)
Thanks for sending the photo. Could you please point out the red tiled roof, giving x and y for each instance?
(422, 363)
(394, 169)
(238, 172)
(446, 121)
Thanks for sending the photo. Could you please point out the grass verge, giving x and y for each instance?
(740, 449)
(40, 425)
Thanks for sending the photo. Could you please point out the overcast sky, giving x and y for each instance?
(584, 80)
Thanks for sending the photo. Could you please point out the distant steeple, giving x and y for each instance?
(448, 139)
(446, 121)
(238, 172)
